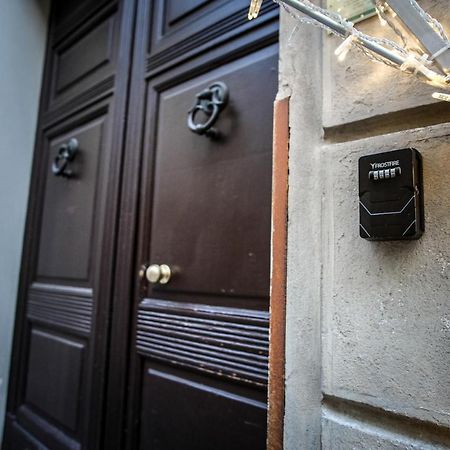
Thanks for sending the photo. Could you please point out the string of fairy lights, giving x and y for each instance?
(406, 55)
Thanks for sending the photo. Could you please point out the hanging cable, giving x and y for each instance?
(383, 50)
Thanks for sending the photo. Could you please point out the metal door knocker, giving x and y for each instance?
(66, 154)
(211, 102)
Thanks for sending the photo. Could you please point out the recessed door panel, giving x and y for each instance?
(69, 208)
(86, 60)
(177, 10)
(174, 21)
(201, 415)
(211, 208)
(182, 29)
(82, 58)
(54, 376)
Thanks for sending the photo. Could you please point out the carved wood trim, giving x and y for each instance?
(62, 307)
(227, 342)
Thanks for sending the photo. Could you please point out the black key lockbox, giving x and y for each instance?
(391, 195)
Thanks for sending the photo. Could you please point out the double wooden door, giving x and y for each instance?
(103, 357)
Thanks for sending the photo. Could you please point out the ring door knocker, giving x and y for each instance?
(66, 154)
(211, 102)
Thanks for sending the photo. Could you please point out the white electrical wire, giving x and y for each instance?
(381, 8)
(435, 24)
(393, 55)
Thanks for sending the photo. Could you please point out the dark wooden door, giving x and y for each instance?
(103, 358)
(199, 345)
(56, 395)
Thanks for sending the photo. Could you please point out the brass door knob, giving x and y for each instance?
(158, 273)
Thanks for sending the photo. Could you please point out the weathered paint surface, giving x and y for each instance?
(368, 323)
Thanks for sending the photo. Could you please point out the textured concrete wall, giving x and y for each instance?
(368, 323)
(23, 29)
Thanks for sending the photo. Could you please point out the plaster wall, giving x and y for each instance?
(368, 323)
(23, 31)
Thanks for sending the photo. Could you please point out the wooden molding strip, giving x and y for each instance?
(278, 276)
(61, 307)
(223, 341)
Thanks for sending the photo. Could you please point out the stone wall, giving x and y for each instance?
(368, 323)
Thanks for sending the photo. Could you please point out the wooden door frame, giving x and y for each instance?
(280, 187)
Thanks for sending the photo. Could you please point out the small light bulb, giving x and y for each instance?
(383, 22)
(343, 49)
(441, 96)
(341, 57)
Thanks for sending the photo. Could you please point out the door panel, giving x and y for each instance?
(178, 10)
(65, 14)
(209, 192)
(182, 29)
(208, 416)
(83, 57)
(55, 389)
(69, 209)
(86, 58)
(175, 21)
